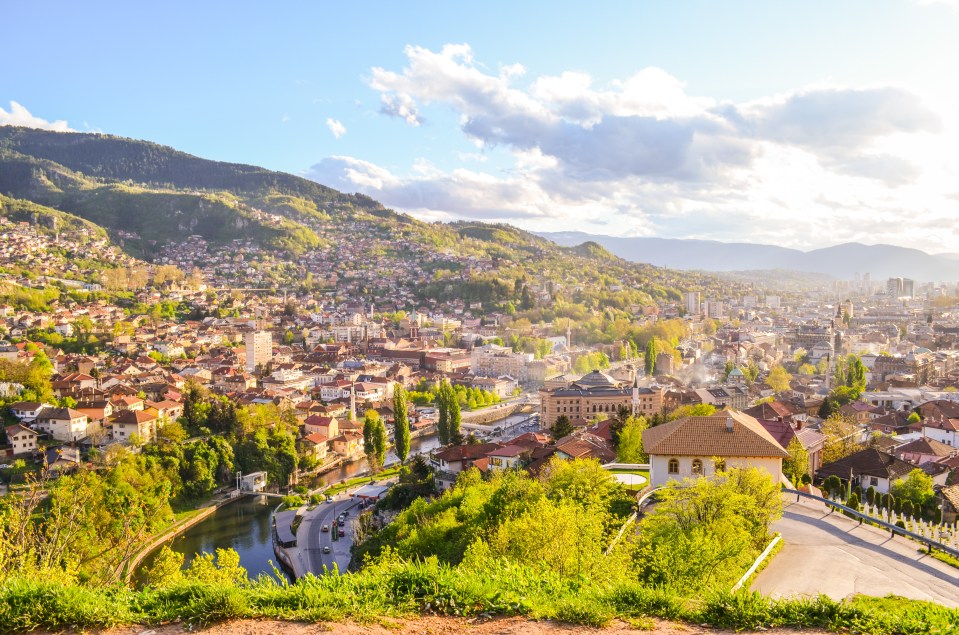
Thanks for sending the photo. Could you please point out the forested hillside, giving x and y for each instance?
(152, 200)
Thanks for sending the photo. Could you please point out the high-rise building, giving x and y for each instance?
(772, 301)
(692, 303)
(894, 287)
(259, 349)
(908, 288)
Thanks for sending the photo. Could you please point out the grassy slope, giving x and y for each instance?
(408, 589)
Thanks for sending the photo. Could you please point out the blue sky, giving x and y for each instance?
(802, 124)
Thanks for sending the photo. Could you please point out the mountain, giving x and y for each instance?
(840, 261)
(246, 226)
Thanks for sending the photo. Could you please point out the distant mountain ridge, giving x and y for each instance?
(840, 261)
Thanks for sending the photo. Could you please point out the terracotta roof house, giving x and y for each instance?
(924, 450)
(22, 439)
(868, 468)
(700, 446)
(811, 440)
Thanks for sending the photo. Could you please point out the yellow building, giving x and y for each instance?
(596, 393)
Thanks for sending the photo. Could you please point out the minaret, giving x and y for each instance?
(635, 394)
(352, 401)
(828, 371)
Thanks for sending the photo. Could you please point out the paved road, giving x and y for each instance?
(836, 556)
(308, 554)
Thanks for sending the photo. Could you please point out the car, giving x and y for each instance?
(326, 549)
(342, 533)
(326, 527)
(329, 499)
(345, 513)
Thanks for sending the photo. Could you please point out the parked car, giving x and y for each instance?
(329, 499)
(342, 533)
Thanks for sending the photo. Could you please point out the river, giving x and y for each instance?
(243, 526)
(346, 471)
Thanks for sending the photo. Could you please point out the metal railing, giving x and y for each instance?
(893, 529)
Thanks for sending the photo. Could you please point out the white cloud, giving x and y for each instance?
(952, 4)
(20, 116)
(337, 128)
(816, 165)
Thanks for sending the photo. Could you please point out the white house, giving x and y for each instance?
(22, 439)
(942, 430)
(701, 446)
(63, 424)
(27, 411)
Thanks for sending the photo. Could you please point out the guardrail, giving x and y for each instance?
(759, 561)
(632, 518)
(893, 529)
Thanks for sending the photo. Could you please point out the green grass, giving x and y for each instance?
(397, 589)
(362, 480)
(943, 557)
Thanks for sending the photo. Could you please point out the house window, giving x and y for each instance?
(673, 466)
(697, 467)
(873, 481)
(719, 465)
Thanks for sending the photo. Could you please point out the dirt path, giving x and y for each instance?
(437, 626)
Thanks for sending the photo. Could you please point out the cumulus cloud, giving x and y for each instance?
(644, 156)
(337, 128)
(20, 116)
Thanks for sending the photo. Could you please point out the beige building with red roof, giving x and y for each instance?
(700, 446)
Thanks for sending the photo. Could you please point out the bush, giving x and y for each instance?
(806, 479)
(853, 502)
(292, 501)
(832, 485)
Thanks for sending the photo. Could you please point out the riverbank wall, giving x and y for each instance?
(172, 532)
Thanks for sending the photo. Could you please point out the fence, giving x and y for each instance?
(893, 529)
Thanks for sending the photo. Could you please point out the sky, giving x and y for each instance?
(801, 124)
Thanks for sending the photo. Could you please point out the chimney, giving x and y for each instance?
(729, 424)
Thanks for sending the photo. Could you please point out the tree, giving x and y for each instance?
(797, 465)
(401, 424)
(779, 379)
(455, 418)
(650, 359)
(629, 449)
(704, 531)
(561, 428)
(443, 398)
(843, 437)
(917, 487)
(727, 368)
(374, 440)
(832, 485)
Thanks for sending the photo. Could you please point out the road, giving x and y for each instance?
(308, 554)
(834, 555)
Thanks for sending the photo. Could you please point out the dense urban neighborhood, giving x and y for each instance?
(334, 395)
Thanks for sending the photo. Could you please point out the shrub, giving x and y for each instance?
(853, 502)
(292, 501)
